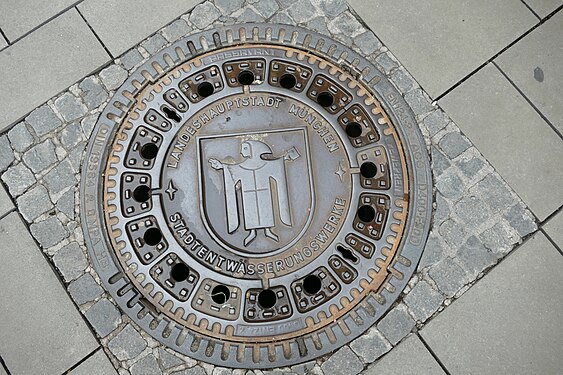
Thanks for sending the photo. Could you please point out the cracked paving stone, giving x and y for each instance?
(228, 6)
(423, 301)
(386, 62)
(418, 102)
(65, 204)
(343, 362)
(474, 256)
(196, 370)
(396, 324)
(433, 252)
(34, 203)
(113, 76)
(520, 219)
(154, 43)
(7, 156)
(367, 43)
(169, 360)
(176, 30)
(131, 59)
(70, 107)
(93, 93)
(331, 8)
(448, 276)
(84, 289)
(472, 211)
(266, 8)
(436, 121)
(127, 344)
(48, 232)
(147, 365)
(402, 79)
(450, 185)
(40, 157)
(454, 144)
(104, 317)
(303, 13)
(346, 24)
(439, 161)
(60, 178)
(70, 261)
(43, 120)
(249, 15)
(20, 138)
(18, 178)
(75, 156)
(88, 124)
(204, 14)
(371, 345)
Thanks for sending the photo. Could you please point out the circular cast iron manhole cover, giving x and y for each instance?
(256, 196)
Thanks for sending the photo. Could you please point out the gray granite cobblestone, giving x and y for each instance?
(131, 59)
(34, 203)
(303, 368)
(440, 163)
(419, 102)
(70, 261)
(474, 256)
(127, 344)
(520, 219)
(396, 324)
(423, 301)
(88, 124)
(433, 252)
(367, 43)
(282, 18)
(93, 93)
(449, 185)
(226, 7)
(386, 62)
(436, 121)
(342, 362)
(448, 276)
(498, 196)
(203, 14)
(402, 79)
(154, 43)
(48, 232)
(249, 15)
(169, 360)
(371, 345)
(176, 30)
(60, 177)
(84, 289)
(346, 24)
(66, 204)
(43, 120)
(472, 210)
(454, 144)
(41, 156)
(499, 239)
(331, 8)
(70, 107)
(266, 8)
(113, 76)
(18, 178)
(148, 365)
(470, 163)
(6, 155)
(318, 25)
(302, 13)
(70, 135)
(103, 316)
(20, 137)
(196, 370)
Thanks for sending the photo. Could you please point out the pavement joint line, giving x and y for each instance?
(529, 101)
(432, 353)
(531, 10)
(454, 86)
(5, 37)
(551, 240)
(560, 209)
(94, 32)
(44, 22)
(86, 357)
(4, 366)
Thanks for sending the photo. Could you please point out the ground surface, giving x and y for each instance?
(485, 81)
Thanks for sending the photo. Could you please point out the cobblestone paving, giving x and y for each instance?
(478, 219)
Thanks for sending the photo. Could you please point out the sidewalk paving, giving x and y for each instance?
(493, 67)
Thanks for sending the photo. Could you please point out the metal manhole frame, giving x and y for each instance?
(419, 174)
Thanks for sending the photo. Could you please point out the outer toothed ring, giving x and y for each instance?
(256, 196)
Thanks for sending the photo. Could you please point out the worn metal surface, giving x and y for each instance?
(256, 196)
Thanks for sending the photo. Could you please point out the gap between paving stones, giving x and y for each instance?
(460, 249)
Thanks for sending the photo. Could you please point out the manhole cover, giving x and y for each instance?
(256, 196)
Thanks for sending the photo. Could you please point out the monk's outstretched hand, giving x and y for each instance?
(215, 164)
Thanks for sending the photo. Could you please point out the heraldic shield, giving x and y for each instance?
(256, 189)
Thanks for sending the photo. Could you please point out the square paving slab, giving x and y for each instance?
(120, 24)
(512, 136)
(409, 358)
(6, 204)
(41, 331)
(45, 63)
(534, 64)
(13, 22)
(554, 229)
(98, 364)
(3, 42)
(441, 42)
(544, 7)
(510, 322)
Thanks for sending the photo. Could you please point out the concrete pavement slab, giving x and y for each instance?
(121, 24)
(45, 63)
(20, 17)
(510, 321)
(41, 331)
(534, 65)
(6, 204)
(98, 364)
(512, 136)
(3, 42)
(409, 358)
(543, 7)
(554, 229)
(441, 43)
(2, 371)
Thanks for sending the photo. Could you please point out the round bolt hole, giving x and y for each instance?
(288, 81)
(325, 99)
(246, 77)
(149, 151)
(267, 298)
(366, 213)
(368, 169)
(142, 193)
(312, 284)
(220, 294)
(179, 272)
(354, 130)
(205, 89)
(152, 236)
